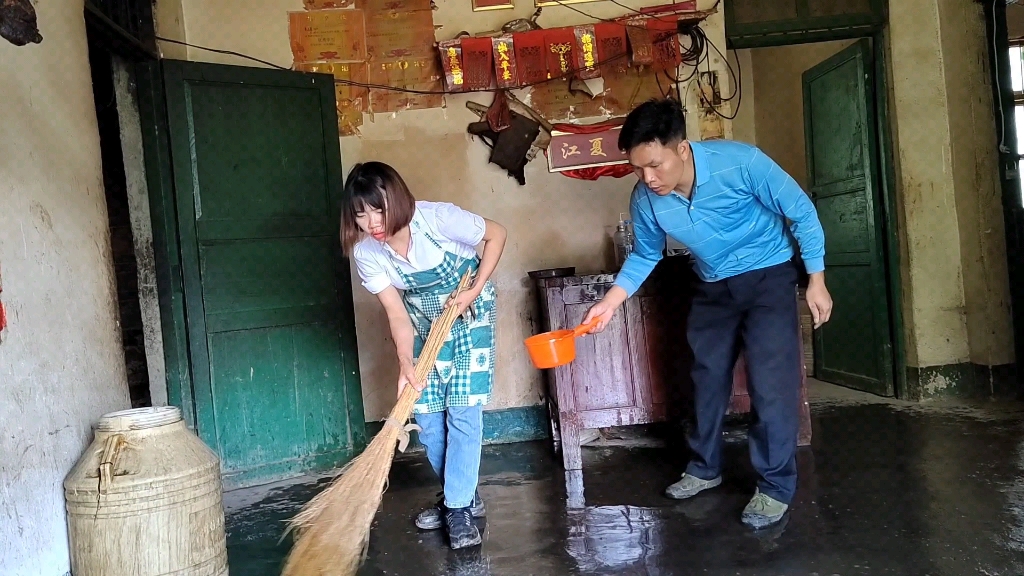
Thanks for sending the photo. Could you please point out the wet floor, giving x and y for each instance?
(884, 489)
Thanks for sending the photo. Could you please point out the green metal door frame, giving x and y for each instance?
(878, 35)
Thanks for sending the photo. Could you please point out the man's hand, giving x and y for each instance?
(819, 300)
(605, 309)
(407, 376)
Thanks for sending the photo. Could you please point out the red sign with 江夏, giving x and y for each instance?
(570, 151)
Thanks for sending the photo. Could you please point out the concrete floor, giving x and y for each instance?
(886, 488)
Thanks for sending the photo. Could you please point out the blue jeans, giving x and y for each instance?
(760, 309)
(453, 439)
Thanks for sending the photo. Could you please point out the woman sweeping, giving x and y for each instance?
(412, 255)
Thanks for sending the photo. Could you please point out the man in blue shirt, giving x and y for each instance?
(728, 203)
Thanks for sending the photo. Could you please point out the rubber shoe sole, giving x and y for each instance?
(761, 521)
(432, 518)
(690, 486)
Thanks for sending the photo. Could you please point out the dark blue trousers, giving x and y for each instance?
(756, 310)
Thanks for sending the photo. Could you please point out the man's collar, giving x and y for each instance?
(702, 173)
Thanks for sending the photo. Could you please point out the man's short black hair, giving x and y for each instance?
(654, 120)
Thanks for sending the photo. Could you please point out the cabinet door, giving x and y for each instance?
(653, 351)
(602, 375)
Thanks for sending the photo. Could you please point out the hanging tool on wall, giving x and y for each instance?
(511, 144)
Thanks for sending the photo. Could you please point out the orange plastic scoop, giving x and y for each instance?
(558, 348)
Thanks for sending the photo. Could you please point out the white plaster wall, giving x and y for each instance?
(552, 221)
(979, 192)
(61, 365)
(933, 309)
(956, 287)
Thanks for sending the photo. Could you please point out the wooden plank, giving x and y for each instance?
(617, 417)
(269, 318)
(640, 350)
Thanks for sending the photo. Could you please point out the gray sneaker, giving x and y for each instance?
(433, 518)
(689, 486)
(763, 511)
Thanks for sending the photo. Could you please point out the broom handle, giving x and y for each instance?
(428, 356)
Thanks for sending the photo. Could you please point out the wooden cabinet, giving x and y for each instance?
(638, 370)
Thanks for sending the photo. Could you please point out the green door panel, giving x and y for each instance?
(855, 348)
(272, 347)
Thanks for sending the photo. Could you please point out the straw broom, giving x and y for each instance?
(333, 529)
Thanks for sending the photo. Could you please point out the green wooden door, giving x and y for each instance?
(855, 348)
(256, 169)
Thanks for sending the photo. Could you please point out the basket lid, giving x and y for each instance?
(139, 419)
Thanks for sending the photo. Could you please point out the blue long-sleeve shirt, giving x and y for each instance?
(734, 221)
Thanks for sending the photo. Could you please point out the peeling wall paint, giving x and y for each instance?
(61, 364)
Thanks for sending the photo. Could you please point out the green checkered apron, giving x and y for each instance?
(464, 372)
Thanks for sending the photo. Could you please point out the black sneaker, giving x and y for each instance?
(431, 518)
(462, 532)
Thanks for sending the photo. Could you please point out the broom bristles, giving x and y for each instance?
(332, 530)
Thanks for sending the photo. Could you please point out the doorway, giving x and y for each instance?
(814, 108)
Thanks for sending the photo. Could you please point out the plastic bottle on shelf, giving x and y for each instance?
(623, 239)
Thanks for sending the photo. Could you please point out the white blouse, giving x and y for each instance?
(454, 229)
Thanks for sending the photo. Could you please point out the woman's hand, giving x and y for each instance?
(464, 300)
(406, 376)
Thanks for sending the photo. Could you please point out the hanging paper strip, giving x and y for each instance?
(586, 52)
(640, 41)
(665, 38)
(559, 45)
(505, 69)
(611, 46)
(530, 58)
(476, 60)
(451, 61)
